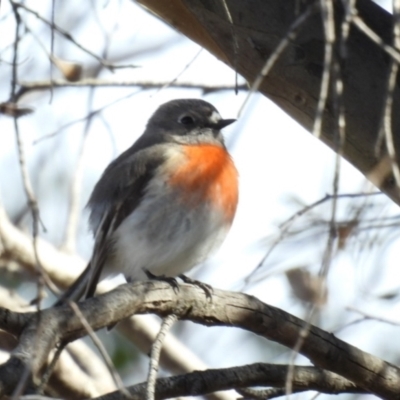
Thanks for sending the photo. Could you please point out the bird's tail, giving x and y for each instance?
(78, 289)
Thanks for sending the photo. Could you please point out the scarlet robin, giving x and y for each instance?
(167, 202)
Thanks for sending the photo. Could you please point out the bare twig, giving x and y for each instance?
(329, 33)
(369, 316)
(324, 199)
(50, 368)
(173, 81)
(100, 347)
(388, 110)
(303, 333)
(285, 226)
(32, 202)
(69, 243)
(90, 115)
(71, 227)
(155, 355)
(339, 129)
(51, 58)
(359, 23)
(26, 87)
(69, 37)
(235, 42)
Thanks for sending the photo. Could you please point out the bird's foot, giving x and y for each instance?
(171, 281)
(207, 289)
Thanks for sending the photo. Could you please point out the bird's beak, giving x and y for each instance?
(223, 123)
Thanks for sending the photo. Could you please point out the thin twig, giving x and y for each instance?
(100, 83)
(339, 141)
(50, 368)
(173, 82)
(53, 5)
(349, 6)
(114, 373)
(69, 243)
(297, 347)
(86, 117)
(359, 23)
(69, 37)
(32, 202)
(155, 355)
(33, 206)
(235, 43)
(324, 199)
(388, 110)
(71, 228)
(330, 65)
(285, 226)
(94, 82)
(329, 33)
(23, 381)
(369, 316)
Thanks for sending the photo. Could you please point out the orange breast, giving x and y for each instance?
(208, 175)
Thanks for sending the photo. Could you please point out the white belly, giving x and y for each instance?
(165, 238)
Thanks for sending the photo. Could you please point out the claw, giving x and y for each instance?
(171, 281)
(207, 289)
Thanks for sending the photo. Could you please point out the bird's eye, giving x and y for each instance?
(186, 120)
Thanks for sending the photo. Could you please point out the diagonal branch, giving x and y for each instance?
(203, 382)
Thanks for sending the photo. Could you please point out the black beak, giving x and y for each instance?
(223, 123)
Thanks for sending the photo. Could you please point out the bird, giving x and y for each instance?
(166, 203)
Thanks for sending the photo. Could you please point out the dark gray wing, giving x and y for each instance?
(121, 187)
(115, 196)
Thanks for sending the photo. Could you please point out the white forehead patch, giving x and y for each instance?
(215, 117)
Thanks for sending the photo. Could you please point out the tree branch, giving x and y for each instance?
(60, 324)
(203, 382)
(26, 87)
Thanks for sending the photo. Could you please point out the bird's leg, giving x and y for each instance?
(207, 289)
(168, 279)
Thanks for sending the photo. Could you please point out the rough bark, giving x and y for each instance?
(203, 382)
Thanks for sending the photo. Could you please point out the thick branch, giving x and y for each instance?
(204, 382)
(227, 309)
(78, 374)
(18, 247)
